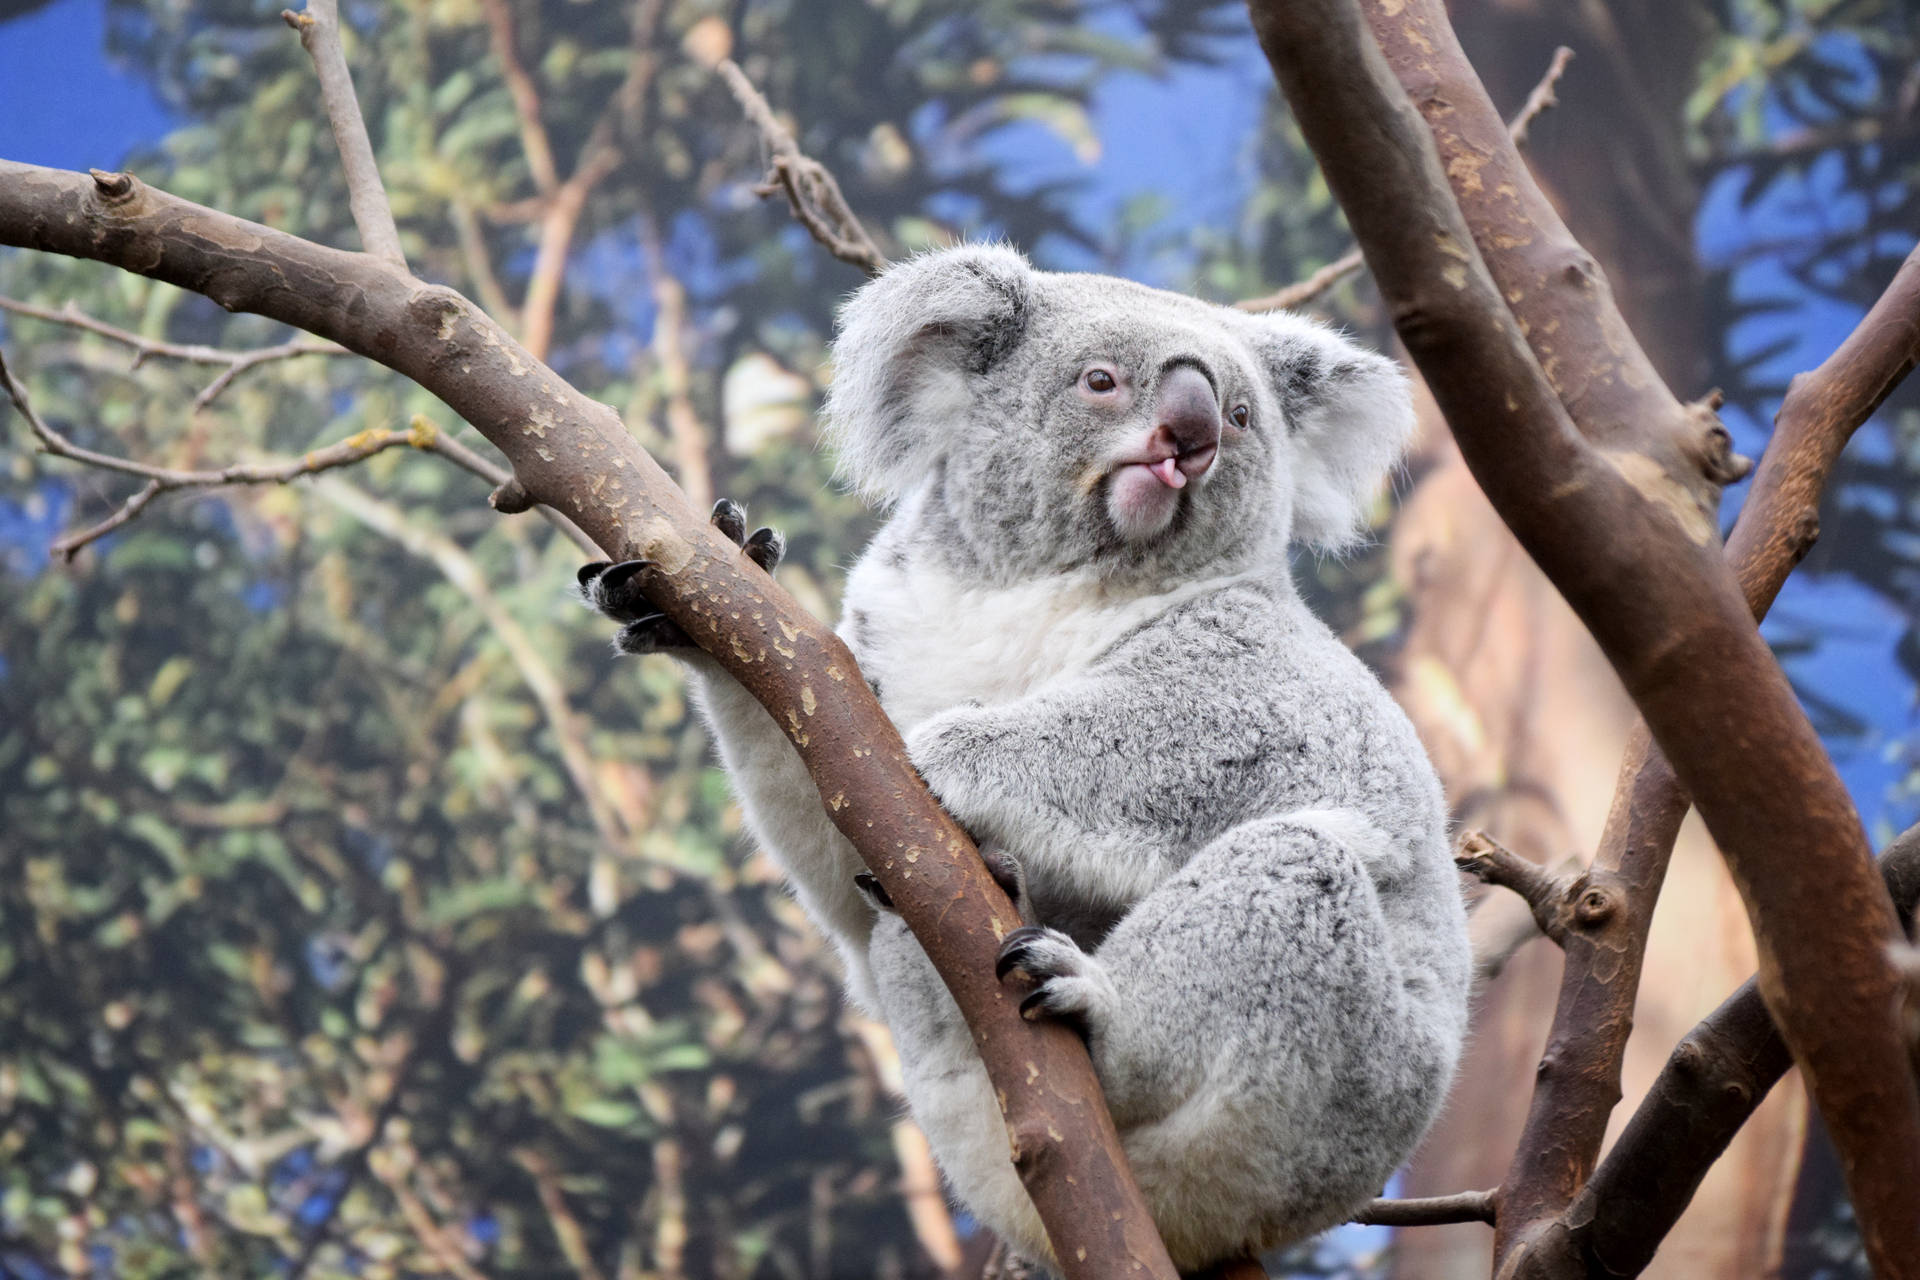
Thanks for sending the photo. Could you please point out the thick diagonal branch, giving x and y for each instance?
(575, 454)
(1618, 527)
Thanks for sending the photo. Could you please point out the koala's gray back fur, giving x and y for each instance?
(1229, 826)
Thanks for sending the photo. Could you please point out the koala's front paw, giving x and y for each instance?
(614, 589)
(1073, 986)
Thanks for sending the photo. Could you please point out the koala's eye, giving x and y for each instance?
(1098, 380)
(1241, 416)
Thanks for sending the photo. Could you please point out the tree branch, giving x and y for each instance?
(534, 143)
(812, 193)
(562, 207)
(1619, 515)
(1349, 263)
(319, 29)
(574, 454)
(1430, 1211)
(1572, 1103)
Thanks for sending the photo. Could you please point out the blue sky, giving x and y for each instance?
(64, 103)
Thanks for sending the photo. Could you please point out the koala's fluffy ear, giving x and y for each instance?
(911, 344)
(1349, 417)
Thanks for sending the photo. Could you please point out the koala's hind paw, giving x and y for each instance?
(1073, 987)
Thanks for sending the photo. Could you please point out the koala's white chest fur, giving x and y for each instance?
(931, 641)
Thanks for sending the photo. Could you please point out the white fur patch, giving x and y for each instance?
(933, 642)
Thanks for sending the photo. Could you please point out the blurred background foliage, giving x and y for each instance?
(359, 915)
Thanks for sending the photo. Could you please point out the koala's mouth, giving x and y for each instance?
(1144, 493)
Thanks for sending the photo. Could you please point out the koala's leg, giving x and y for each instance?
(1271, 1044)
(781, 804)
(948, 1091)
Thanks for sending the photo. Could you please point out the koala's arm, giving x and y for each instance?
(781, 804)
(1101, 783)
(784, 812)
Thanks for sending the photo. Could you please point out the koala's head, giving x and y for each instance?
(1035, 421)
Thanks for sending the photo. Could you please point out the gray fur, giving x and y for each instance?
(1229, 828)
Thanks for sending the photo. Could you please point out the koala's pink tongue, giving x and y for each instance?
(1170, 473)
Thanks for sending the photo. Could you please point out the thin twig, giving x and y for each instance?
(1429, 1211)
(1305, 291)
(1541, 98)
(319, 29)
(810, 188)
(1545, 892)
(1299, 294)
(144, 348)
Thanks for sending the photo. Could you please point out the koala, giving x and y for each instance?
(1228, 845)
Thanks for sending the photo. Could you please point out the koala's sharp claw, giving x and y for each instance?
(613, 590)
(1014, 951)
(730, 518)
(1041, 1004)
(1069, 985)
(615, 576)
(765, 548)
(875, 891)
(651, 634)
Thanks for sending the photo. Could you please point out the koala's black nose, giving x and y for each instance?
(1186, 418)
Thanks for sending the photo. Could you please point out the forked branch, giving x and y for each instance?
(1601, 978)
(1716, 1077)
